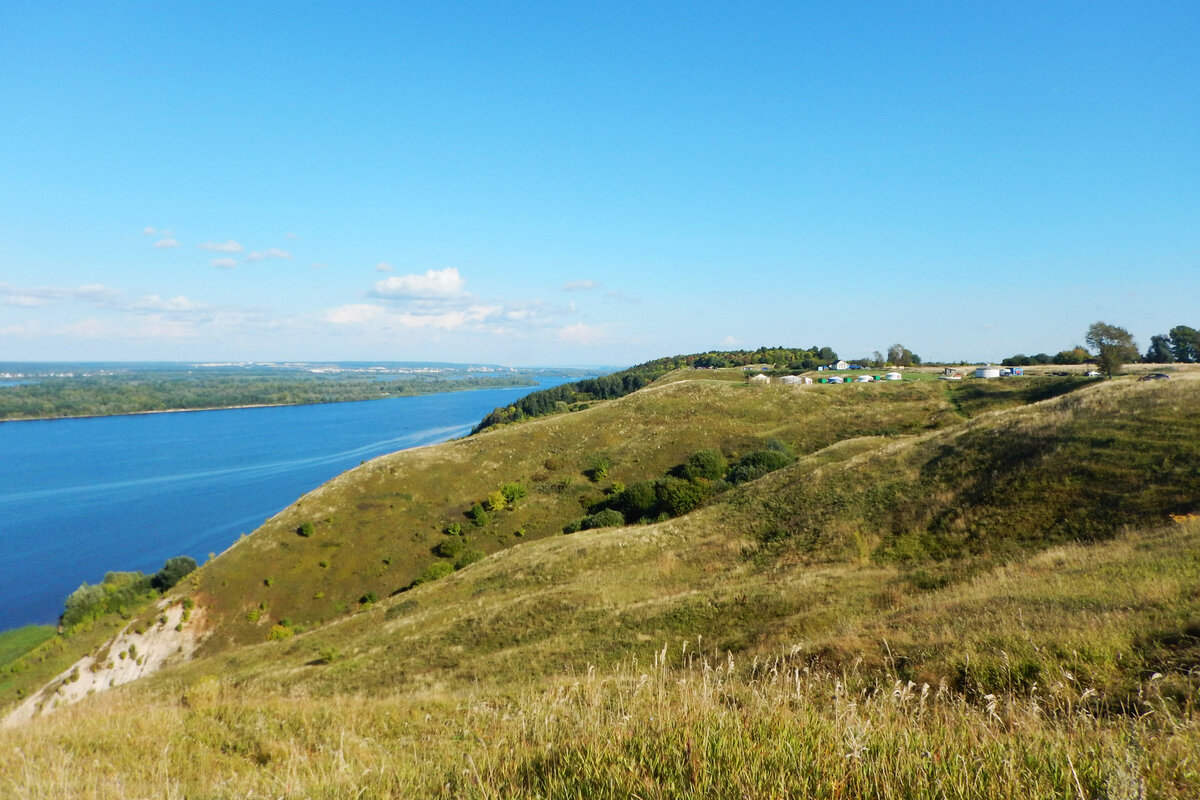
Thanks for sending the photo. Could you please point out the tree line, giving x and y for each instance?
(140, 392)
(1112, 346)
(607, 387)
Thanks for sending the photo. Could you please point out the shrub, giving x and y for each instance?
(448, 548)
(479, 515)
(597, 469)
(173, 572)
(573, 526)
(678, 497)
(435, 571)
(607, 518)
(496, 501)
(708, 464)
(639, 501)
(454, 529)
(467, 558)
(305, 530)
(759, 463)
(279, 633)
(513, 492)
(328, 655)
(368, 598)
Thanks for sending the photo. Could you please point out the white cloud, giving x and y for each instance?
(224, 263)
(383, 266)
(25, 301)
(584, 285)
(149, 231)
(227, 246)
(273, 252)
(730, 341)
(163, 244)
(441, 284)
(354, 314)
(153, 302)
(580, 333)
(290, 235)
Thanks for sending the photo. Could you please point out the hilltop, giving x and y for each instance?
(928, 574)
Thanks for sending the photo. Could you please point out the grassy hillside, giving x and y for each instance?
(999, 575)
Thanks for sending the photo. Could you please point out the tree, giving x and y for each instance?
(901, 356)
(709, 464)
(1114, 347)
(1160, 350)
(172, 572)
(1185, 344)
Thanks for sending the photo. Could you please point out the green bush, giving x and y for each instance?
(468, 557)
(496, 501)
(479, 515)
(368, 598)
(597, 469)
(276, 634)
(173, 571)
(448, 548)
(678, 497)
(454, 529)
(608, 518)
(435, 571)
(305, 530)
(638, 501)
(708, 464)
(759, 463)
(513, 492)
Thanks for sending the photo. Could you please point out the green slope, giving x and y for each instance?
(1028, 547)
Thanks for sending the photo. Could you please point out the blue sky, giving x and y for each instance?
(578, 183)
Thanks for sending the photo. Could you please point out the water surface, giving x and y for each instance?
(81, 497)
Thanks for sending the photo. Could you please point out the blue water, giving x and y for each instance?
(81, 497)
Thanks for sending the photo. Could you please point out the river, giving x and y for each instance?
(82, 497)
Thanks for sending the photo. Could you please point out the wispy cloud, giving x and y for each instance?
(227, 246)
(150, 230)
(163, 244)
(624, 298)
(581, 334)
(224, 263)
(383, 266)
(583, 285)
(441, 284)
(382, 317)
(270, 253)
(354, 314)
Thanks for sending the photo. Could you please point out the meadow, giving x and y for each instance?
(955, 590)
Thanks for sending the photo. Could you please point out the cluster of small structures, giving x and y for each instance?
(950, 374)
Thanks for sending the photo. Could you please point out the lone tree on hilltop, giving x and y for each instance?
(1114, 347)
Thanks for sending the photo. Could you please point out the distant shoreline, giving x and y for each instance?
(260, 405)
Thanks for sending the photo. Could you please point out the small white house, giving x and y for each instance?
(760, 379)
(841, 365)
(893, 376)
